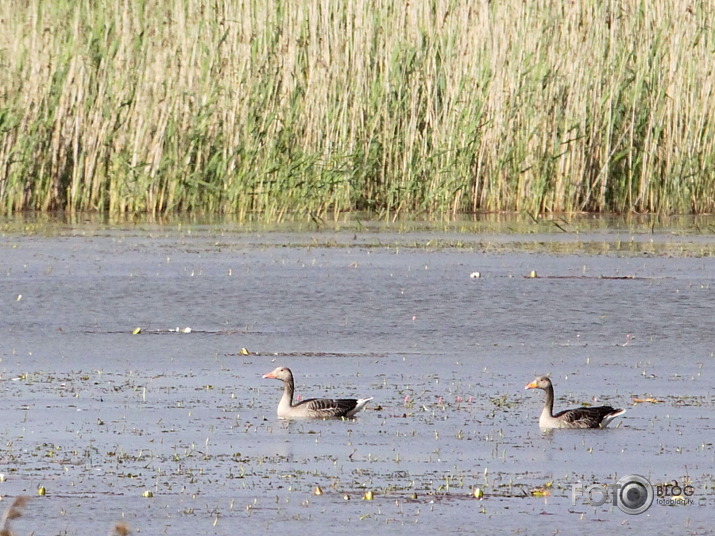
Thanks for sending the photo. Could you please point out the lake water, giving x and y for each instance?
(99, 416)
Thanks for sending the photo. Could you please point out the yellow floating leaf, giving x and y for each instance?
(137, 331)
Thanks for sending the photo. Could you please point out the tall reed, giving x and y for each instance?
(432, 106)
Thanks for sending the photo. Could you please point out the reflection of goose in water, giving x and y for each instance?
(596, 417)
(314, 408)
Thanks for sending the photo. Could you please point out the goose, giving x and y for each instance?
(314, 408)
(585, 417)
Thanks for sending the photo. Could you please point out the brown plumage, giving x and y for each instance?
(585, 417)
(314, 408)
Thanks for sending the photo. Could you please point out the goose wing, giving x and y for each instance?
(329, 407)
(586, 417)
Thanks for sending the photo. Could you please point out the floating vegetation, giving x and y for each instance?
(647, 400)
(542, 491)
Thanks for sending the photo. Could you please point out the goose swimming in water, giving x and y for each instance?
(585, 417)
(314, 408)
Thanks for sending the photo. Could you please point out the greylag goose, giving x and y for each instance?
(314, 408)
(586, 417)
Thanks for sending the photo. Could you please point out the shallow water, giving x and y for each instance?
(99, 416)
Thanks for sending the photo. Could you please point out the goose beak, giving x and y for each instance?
(269, 375)
(531, 385)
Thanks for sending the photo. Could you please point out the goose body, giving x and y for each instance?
(585, 417)
(314, 408)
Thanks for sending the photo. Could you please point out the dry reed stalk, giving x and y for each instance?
(14, 511)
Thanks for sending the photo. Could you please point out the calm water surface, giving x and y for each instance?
(99, 416)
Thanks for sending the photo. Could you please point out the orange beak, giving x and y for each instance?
(531, 385)
(269, 375)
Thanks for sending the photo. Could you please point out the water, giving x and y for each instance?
(99, 416)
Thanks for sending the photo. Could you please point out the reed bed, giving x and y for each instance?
(437, 106)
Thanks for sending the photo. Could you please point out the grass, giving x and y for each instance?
(433, 107)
